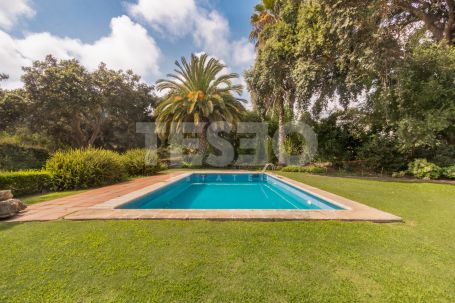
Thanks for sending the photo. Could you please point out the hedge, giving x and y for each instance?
(14, 157)
(304, 169)
(24, 183)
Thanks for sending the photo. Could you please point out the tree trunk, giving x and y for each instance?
(78, 134)
(281, 134)
(96, 131)
(203, 141)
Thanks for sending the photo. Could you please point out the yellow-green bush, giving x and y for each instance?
(85, 168)
(141, 162)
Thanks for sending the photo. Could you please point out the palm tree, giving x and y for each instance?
(263, 15)
(198, 93)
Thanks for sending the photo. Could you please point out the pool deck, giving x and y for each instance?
(99, 204)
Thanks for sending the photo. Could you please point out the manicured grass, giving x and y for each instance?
(49, 196)
(200, 261)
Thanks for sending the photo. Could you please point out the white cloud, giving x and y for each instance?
(209, 29)
(12, 10)
(172, 16)
(243, 52)
(127, 47)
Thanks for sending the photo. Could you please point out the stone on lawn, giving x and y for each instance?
(10, 208)
(5, 195)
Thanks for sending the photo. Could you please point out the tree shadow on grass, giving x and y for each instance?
(6, 225)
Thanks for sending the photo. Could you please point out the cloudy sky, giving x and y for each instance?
(146, 36)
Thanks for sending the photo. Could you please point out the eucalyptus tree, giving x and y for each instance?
(198, 92)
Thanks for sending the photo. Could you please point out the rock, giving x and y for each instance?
(10, 208)
(5, 195)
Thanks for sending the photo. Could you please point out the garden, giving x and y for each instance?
(373, 82)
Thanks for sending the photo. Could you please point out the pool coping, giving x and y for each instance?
(353, 211)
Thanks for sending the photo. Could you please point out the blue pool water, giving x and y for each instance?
(230, 191)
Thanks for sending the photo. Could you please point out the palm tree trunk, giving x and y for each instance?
(203, 143)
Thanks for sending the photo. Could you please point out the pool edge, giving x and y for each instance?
(353, 211)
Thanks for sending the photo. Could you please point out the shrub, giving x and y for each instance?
(15, 157)
(25, 182)
(304, 169)
(85, 168)
(399, 174)
(422, 169)
(449, 172)
(185, 164)
(141, 162)
(291, 169)
(314, 170)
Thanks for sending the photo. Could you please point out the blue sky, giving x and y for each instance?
(145, 35)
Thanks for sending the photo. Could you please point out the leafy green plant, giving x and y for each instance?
(186, 164)
(85, 168)
(422, 169)
(449, 172)
(141, 162)
(291, 169)
(314, 169)
(25, 182)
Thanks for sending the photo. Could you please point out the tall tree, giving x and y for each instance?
(198, 92)
(74, 106)
(269, 82)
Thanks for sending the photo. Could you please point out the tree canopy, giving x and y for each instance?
(78, 108)
(390, 59)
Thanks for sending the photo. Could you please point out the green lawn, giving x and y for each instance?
(200, 261)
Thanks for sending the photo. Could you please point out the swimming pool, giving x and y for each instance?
(230, 191)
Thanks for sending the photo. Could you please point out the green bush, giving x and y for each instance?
(422, 169)
(186, 164)
(14, 157)
(141, 162)
(449, 172)
(85, 168)
(399, 174)
(314, 170)
(26, 182)
(305, 169)
(291, 169)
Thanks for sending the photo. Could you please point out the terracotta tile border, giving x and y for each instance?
(353, 211)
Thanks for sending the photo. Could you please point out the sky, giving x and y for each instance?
(146, 36)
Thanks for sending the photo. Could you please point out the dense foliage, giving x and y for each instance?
(386, 67)
(77, 108)
(16, 157)
(141, 162)
(422, 169)
(25, 182)
(85, 168)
